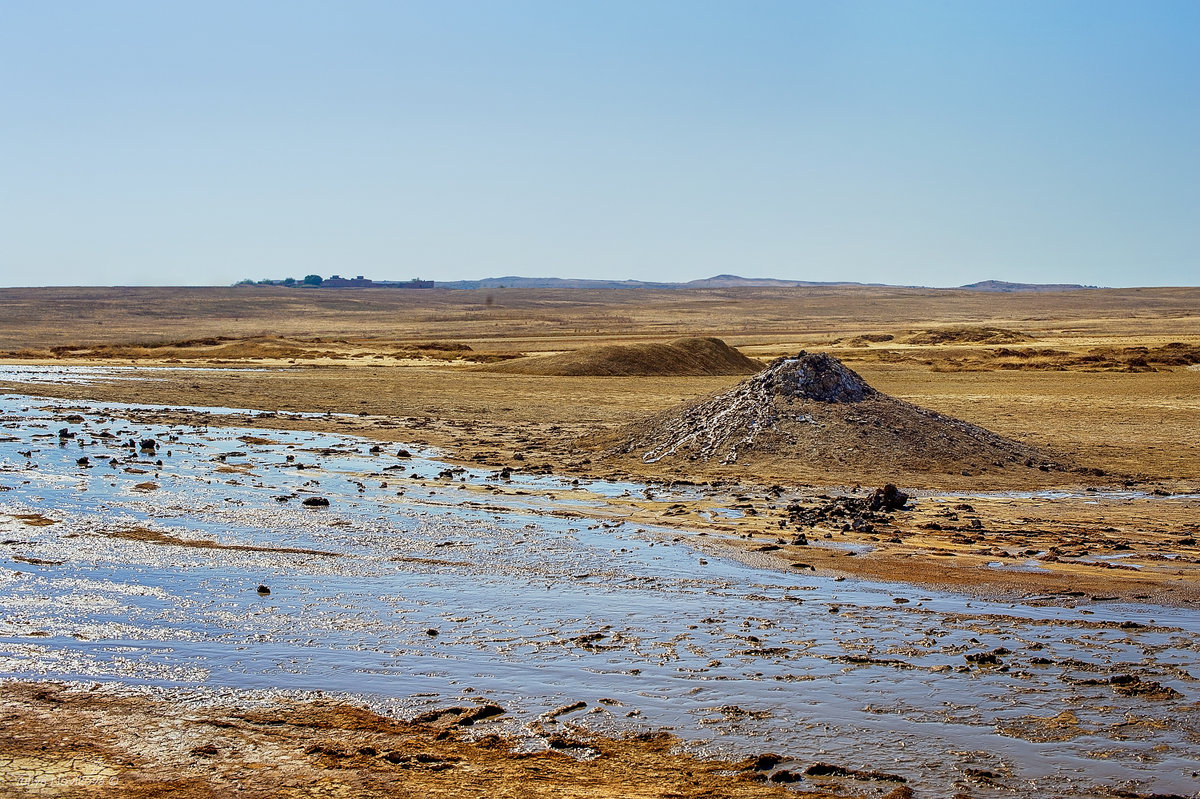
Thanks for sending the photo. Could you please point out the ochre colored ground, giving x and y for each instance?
(64, 742)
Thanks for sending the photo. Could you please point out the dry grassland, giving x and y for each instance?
(1102, 376)
(1103, 380)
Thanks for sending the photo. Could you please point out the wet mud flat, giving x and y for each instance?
(187, 563)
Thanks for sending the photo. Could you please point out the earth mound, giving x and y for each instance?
(812, 407)
(684, 356)
(968, 335)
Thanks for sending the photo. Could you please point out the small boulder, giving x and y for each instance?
(888, 498)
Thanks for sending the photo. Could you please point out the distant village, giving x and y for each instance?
(339, 282)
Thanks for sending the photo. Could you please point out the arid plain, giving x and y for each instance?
(1091, 499)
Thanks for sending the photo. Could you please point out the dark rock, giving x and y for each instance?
(888, 498)
(263, 590)
(784, 776)
(147, 445)
(830, 770)
(316, 502)
(766, 762)
(479, 713)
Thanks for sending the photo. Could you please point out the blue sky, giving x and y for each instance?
(933, 143)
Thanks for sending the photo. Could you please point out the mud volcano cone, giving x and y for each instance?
(813, 408)
(683, 356)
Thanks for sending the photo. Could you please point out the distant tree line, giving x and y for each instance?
(335, 281)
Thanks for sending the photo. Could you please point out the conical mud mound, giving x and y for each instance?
(684, 356)
(812, 407)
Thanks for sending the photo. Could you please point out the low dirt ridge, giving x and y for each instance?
(683, 356)
(810, 406)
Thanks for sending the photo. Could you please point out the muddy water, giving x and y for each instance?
(419, 586)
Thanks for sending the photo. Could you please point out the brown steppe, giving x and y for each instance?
(1105, 380)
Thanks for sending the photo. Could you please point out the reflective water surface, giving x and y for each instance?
(418, 585)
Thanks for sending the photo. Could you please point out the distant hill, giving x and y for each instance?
(715, 282)
(515, 282)
(1004, 286)
(724, 281)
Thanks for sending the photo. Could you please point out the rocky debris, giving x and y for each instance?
(263, 590)
(147, 445)
(814, 408)
(851, 513)
(316, 502)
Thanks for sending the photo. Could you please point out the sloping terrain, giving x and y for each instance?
(684, 356)
(811, 408)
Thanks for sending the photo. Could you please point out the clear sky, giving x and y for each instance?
(934, 143)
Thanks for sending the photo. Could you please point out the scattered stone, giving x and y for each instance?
(263, 590)
(316, 502)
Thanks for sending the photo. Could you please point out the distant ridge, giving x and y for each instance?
(715, 282)
(1005, 286)
(723, 281)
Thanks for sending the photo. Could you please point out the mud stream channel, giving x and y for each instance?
(419, 585)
